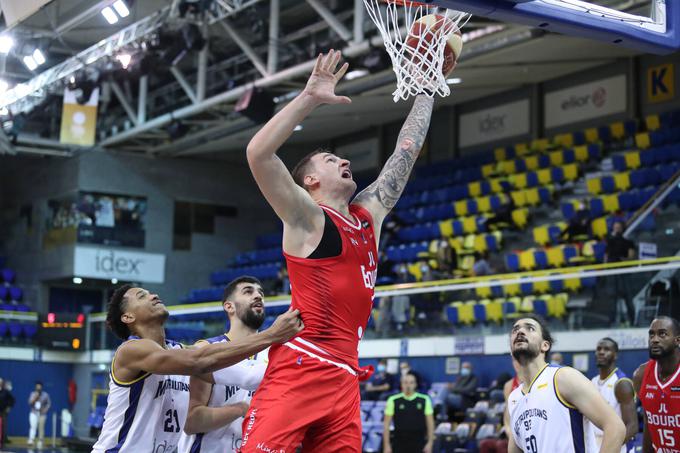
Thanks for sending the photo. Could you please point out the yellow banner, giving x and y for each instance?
(79, 121)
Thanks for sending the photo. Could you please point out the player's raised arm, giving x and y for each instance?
(382, 195)
(148, 356)
(291, 202)
(579, 392)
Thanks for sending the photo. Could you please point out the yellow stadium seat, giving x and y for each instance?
(533, 198)
(475, 189)
(540, 144)
(511, 289)
(531, 162)
(544, 176)
(519, 197)
(581, 153)
(594, 185)
(466, 313)
(483, 292)
(496, 186)
(499, 154)
(557, 305)
(469, 242)
(632, 159)
(592, 135)
(541, 286)
(570, 172)
(618, 130)
(565, 140)
(460, 207)
(622, 181)
(508, 167)
(555, 256)
(457, 244)
(642, 140)
(527, 305)
(488, 170)
(541, 236)
(480, 243)
(414, 269)
(484, 204)
(446, 228)
(519, 181)
(521, 149)
(520, 217)
(556, 158)
(572, 284)
(494, 311)
(611, 202)
(599, 227)
(526, 260)
(469, 224)
(653, 122)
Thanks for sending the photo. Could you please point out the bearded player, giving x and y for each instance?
(657, 383)
(310, 392)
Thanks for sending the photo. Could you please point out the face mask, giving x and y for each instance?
(465, 372)
(381, 368)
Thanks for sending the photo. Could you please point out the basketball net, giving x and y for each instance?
(417, 60)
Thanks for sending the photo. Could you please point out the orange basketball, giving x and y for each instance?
(427, 29)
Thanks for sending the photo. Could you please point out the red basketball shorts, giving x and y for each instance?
(302, 400)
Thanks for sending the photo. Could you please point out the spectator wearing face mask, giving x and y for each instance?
(379, 387)
(462, 392)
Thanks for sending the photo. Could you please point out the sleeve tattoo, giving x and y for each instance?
(393, 178)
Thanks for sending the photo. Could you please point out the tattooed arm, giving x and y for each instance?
(381, 196)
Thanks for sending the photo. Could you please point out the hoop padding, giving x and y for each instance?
(417, 60)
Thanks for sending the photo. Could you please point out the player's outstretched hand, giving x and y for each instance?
(286, 326)
(324, 78)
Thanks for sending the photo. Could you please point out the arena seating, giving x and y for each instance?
(12, 300)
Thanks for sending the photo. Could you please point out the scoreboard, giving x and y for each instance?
(64, 331)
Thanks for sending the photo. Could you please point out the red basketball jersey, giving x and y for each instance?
(335, 295)
(661, 403)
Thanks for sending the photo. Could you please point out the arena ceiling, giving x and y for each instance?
(239, 54)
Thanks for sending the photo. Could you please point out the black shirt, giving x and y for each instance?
(618, 248)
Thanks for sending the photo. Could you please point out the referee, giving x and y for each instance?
(413, 420)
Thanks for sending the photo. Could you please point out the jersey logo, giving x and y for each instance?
(663, 409)
(365, 224)
(542, 386)
(419, 406)
(649, 395)
(354, 242)
(651, 387)
(675, 389)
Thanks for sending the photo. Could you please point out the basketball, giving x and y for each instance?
(426, 30)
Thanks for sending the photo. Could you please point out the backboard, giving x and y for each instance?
(654, 26)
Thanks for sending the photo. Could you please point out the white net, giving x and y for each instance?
(417, 60)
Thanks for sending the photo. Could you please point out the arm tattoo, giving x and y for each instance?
(392, 180)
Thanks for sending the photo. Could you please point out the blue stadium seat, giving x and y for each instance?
(541, 259)
(8, 275)
(512, 262)
(452, 314)
(541, 307)
(16, 293)
(608, 184)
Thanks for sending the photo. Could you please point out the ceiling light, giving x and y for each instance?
(38, 57)
(124, 59)
(355, 74)
(298, 128)
(77, 280)
(114, 281)
(109, 15)
(454, 81)
(30, 62)
(121, 8)
(6, 43)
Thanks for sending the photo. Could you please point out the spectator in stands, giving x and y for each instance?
(502, 217)
(285, 281)
(446, 258)
(556, 359)
(481, 266)
(6, 403)
(393, 223)
(462, 393)
(401, 304)
(39, 402)
(621, 249)
(413, 420)
(380, 385)
(579, 226)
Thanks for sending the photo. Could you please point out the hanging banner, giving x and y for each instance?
(79, 121)
(493, 124)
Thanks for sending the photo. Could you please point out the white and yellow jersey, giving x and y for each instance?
(607, 389)
(145, 415)
(542, 422)
(233, 384)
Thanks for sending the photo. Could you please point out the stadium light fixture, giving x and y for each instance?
(77, 280)
(121, 8)
(454, 81)
(30, 63)
(6, 44)
(38, 57)
(109, 15)
(124, 59)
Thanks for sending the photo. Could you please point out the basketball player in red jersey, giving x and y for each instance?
(310, 392)
(657, 384)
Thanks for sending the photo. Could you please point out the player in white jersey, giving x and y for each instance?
(547, 410)
(216, 412)
(149, 390)
(616, 389)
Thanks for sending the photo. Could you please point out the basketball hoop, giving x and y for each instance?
(418, 51)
